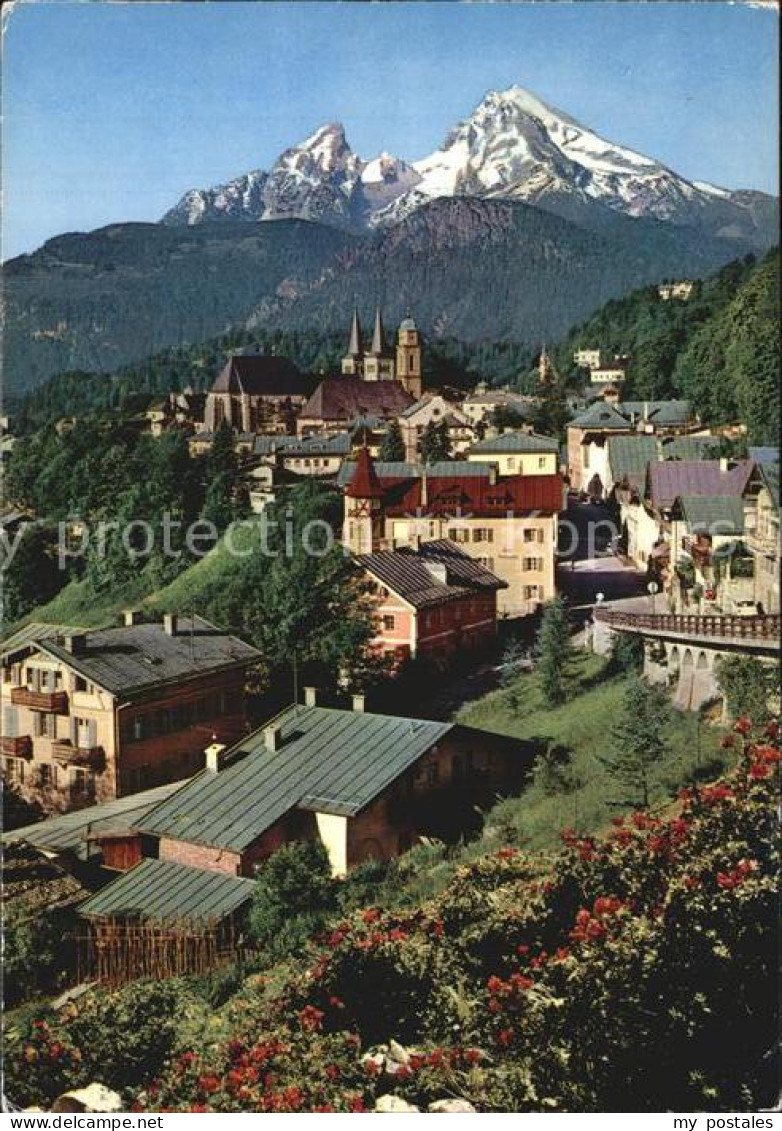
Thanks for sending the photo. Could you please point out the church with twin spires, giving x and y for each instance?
(381, 362)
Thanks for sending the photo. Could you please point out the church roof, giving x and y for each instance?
(345, 398)
(408, 324)
(259, 374)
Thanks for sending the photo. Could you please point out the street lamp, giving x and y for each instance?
(651, 589)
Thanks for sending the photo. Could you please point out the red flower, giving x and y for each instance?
(727, 742)
(618, 821)
(209, 1083)
(371, 915)
(772, 729)
(332, 1071)
(562, 954)
(743, 725)
(473, 1056)
(356, 1104)
(311, 1018)
(506, 853)
(504, 1037)
(494, 984)
(336, 1003)
(200, 1107)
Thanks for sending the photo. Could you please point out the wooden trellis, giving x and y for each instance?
(114, 951)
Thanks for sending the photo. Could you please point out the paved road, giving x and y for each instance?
(591, 567)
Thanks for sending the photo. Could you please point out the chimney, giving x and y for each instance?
(359, 702)
(170, 621)
(75, 643)
(310, 696)
(272, 737)
(213, 756)
(131, 617)
(726, 463)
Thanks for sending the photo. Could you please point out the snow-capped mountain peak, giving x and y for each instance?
(513, 146)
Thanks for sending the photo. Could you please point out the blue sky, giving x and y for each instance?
(112, 111)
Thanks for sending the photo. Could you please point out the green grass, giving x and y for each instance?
(583, 726)
(78, 604)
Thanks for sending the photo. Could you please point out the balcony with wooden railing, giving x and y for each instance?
(53, 702)
(19, 747)
(64, 751)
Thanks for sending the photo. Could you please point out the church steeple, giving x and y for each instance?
(353, 361)
(356, 344)
(363, 511)
(378, 336)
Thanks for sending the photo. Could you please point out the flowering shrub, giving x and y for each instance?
(118, 1039)
(630, 972)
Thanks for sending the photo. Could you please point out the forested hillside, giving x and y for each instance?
(470, 269)
(719, 348)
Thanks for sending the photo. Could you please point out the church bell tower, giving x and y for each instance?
(408, 358)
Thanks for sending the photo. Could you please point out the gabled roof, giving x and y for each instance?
(344, 398)
(131, 658)
(514, 441)
(364, 483)
(658, 412)
(628, 457)
(764, 455)
(35, 631)
(671, 478)
(396, 472)
(329, 760)
(769, 473)
(405, 573)
(68, 831)
(712, 515)
(689, 447)
(600, 415)
(268, 445)
(259, 374)
(168, 892)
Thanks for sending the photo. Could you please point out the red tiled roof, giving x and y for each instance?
(344, 398)
(365, 483)
(472, 495)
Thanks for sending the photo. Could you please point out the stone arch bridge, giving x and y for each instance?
(681, 650)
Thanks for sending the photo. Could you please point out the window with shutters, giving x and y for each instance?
(10, 722)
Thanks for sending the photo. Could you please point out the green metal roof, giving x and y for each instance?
(601, 415)
(328, 760)
(169, 892)
(713, 515)
(516, 442)
(68, 832)
(36, 630)
(628, 456)
(441, 469)
(690, 447)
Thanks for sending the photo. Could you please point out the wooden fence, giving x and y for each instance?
(115, 951)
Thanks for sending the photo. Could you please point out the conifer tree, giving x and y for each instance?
(392, 450)
(554, 652)
(637, 742)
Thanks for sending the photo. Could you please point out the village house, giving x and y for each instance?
(518, 453)
(587, 358)
(763, 536)
(508, 525)
(669, 480)
(480, 405)
(588, 434)
(710, 568)
(257, 393)
(434, 601)
(93, 715)
(434, 408)
(682, 289)
(367, 786)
